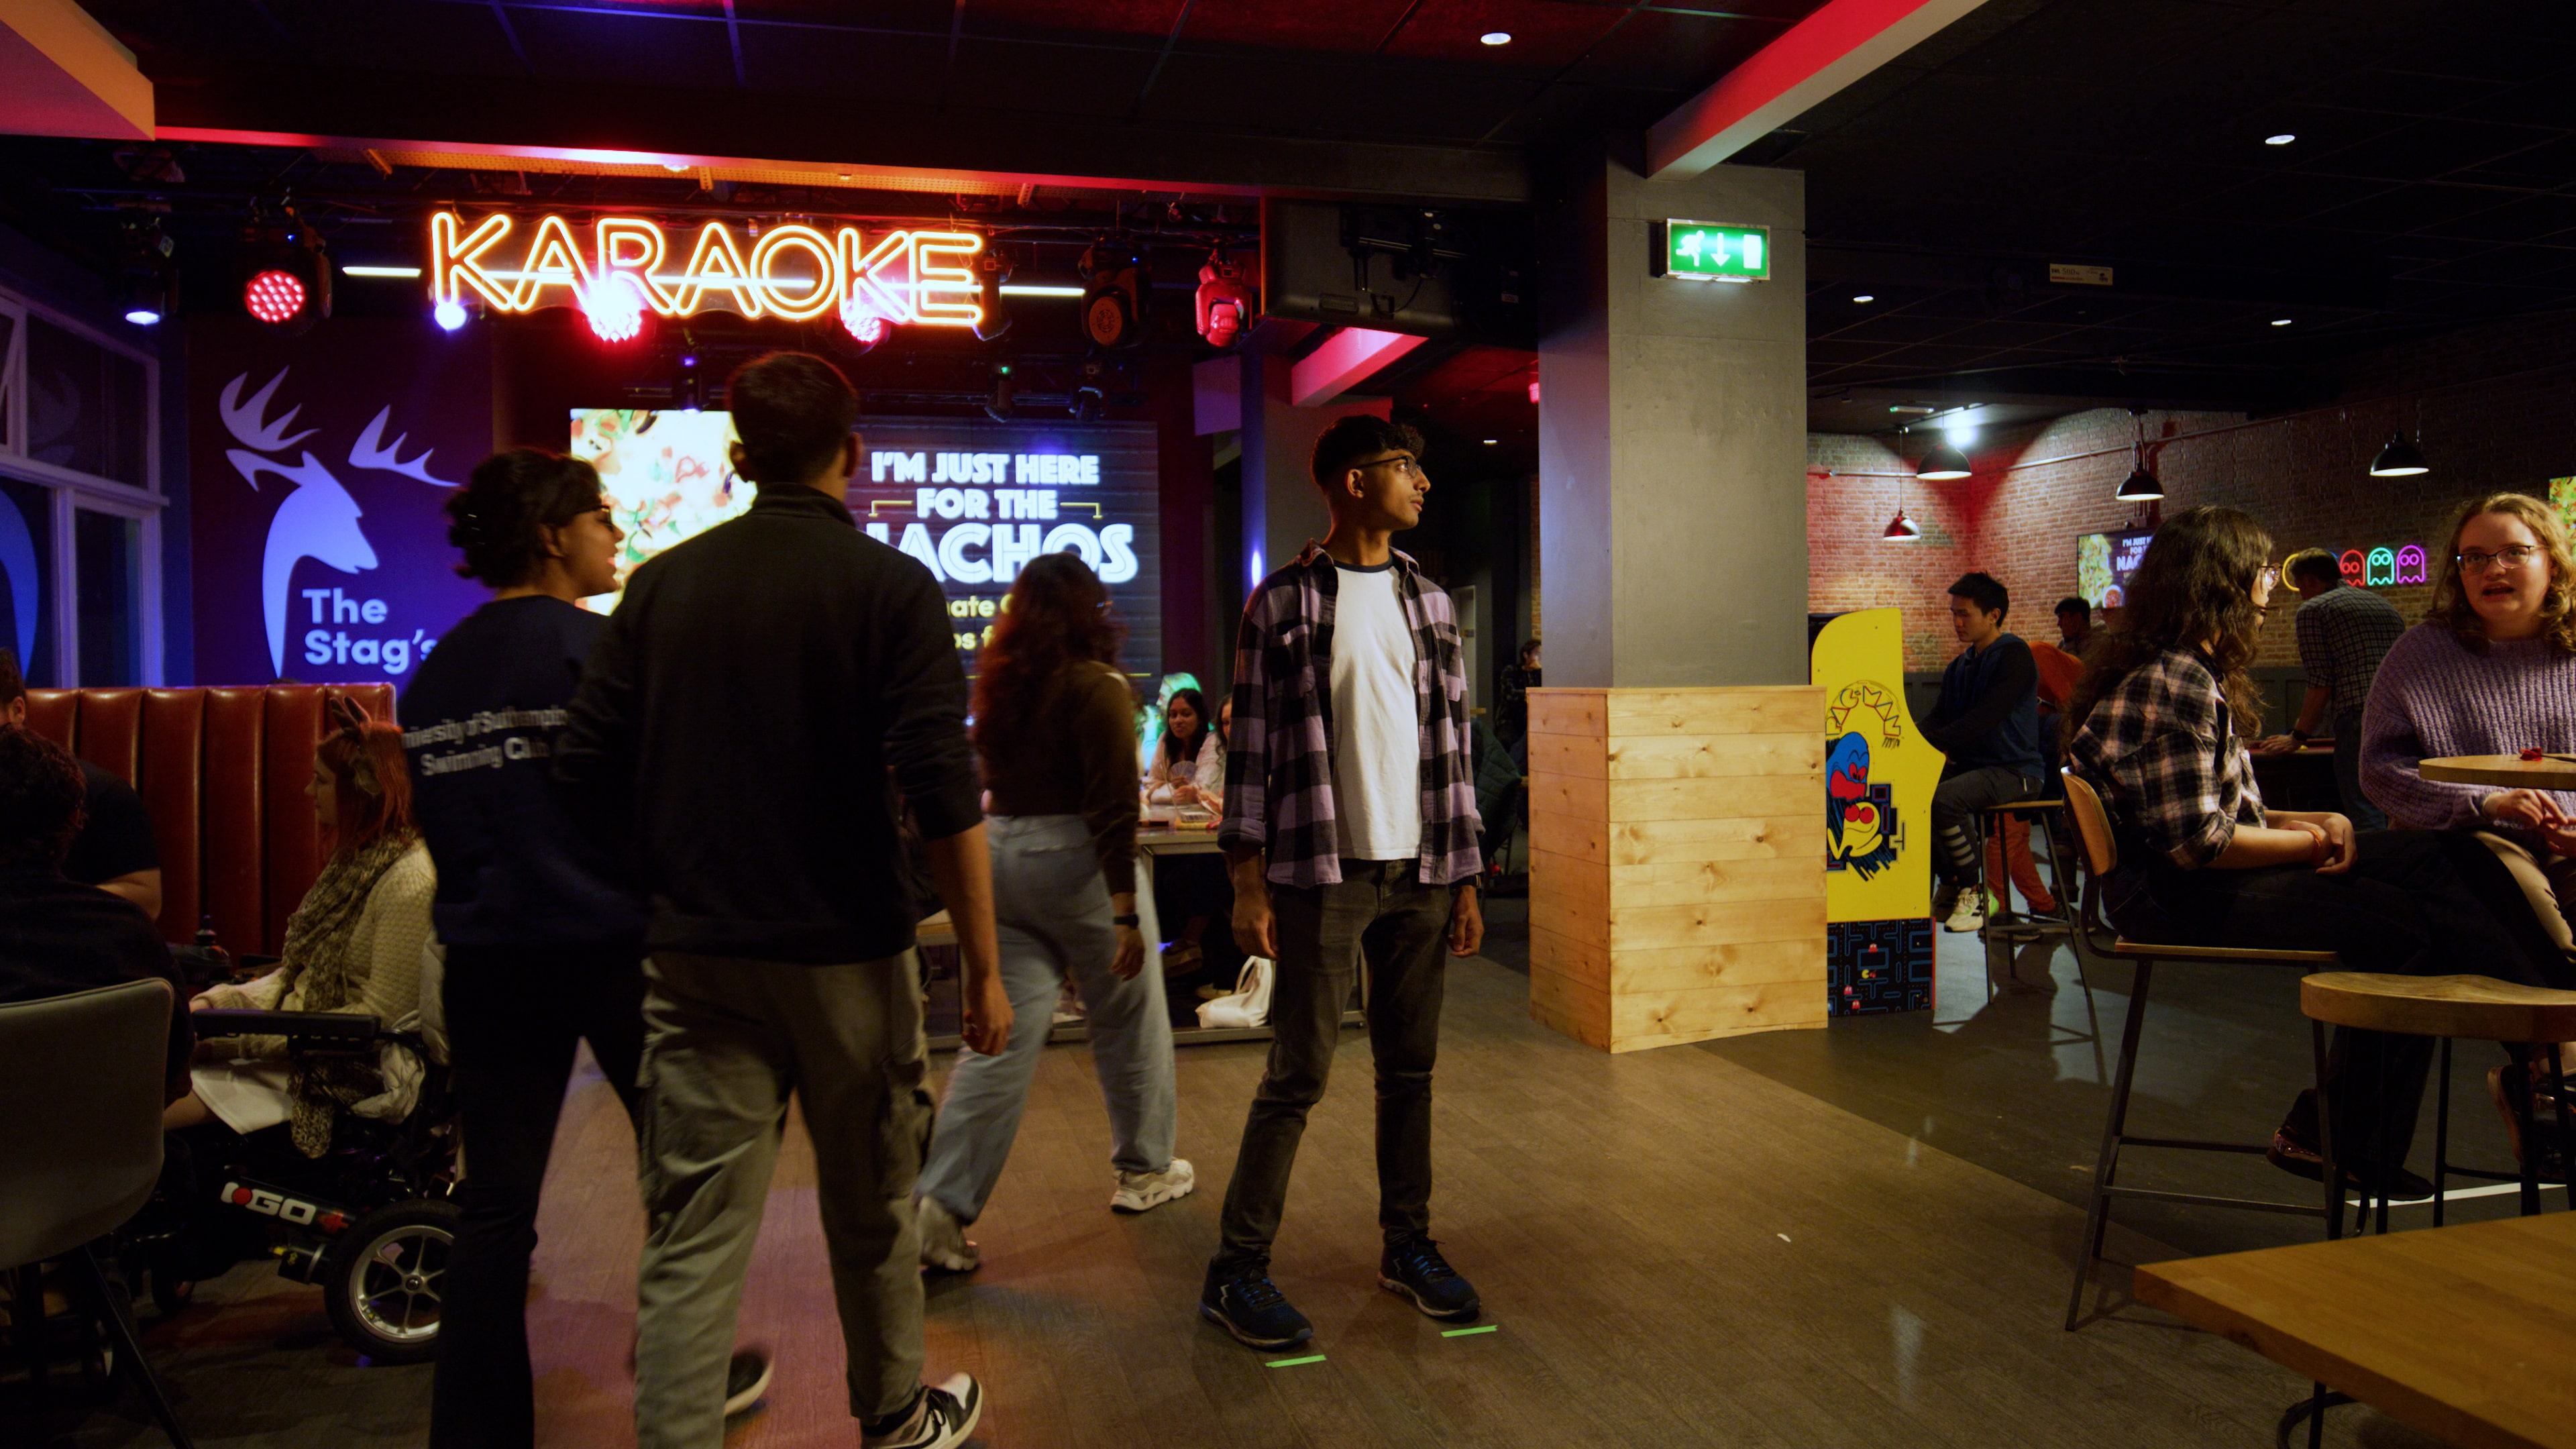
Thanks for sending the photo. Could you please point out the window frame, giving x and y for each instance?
(72, 491)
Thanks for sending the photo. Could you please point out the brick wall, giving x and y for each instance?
(2497, 407)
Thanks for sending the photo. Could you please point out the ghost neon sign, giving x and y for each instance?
(629, 265)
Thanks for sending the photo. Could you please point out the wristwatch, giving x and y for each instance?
(1127, 920)
(2299, 736)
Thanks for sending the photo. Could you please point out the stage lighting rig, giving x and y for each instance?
(1226, 303)
(992, 269)
(998, 405)
(1087, 399)
(146, 274)
(286, 273)
(1115, 281)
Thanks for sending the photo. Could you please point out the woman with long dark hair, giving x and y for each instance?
(545, 941)
(1054, 729)
(2163, 711)
(1181, 755)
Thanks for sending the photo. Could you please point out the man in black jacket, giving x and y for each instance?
(734, 729)
(1987, 723)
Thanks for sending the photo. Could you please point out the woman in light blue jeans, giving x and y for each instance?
(1054, 727)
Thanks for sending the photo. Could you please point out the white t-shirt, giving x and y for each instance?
(1377, 739)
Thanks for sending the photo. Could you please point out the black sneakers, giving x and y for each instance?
(940, 1419)
(1251, 1307)
(1415, 1269)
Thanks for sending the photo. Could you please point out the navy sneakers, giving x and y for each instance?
(1415, 1269)
(1251, 1307)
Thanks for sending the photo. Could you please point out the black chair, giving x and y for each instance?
(2006, 929)
(2101, 855)
(80, 1128)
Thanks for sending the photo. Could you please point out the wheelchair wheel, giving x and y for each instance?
(384, 1279)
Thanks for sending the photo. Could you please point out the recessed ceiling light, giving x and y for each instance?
(1489, 442)
(2283, 321)
(680, 166)
(2283, 139)
(1865, 297)
(1496, 37)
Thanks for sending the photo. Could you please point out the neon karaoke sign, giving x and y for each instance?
(790, 271)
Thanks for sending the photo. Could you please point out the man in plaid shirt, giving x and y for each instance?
(1351, 834)
(2344, 632)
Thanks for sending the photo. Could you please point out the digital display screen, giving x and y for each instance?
(2104, 561)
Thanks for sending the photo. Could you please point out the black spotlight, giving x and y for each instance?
(286, 274)
(146, 273)
(998, 405)
(1115, 281)
(2400, 459)
(993, 269)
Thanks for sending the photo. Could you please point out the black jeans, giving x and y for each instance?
(514, 1014)
(1964, 790)
(1381, 915)
(2415, 903)
(2347, 764)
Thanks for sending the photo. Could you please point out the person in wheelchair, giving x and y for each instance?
(354, 945)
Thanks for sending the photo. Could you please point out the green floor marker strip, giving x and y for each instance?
(1463, 1332)
(1293, 1362)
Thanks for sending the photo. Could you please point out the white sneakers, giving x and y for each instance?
(1968, 913)
(943, 1239)
(944, 1244)
(1138, 1191)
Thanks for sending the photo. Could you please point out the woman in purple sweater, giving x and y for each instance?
(2490, 671)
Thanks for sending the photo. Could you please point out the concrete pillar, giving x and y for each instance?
(1672, 437)
(1282, 507)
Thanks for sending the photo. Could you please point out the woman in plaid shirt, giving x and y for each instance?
(2165, 707)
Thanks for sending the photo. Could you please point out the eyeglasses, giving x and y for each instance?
(1404, 463)
(2271, 577)
(2478, 561)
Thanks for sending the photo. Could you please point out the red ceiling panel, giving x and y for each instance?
(1129, 22)
(1309, 25)
(1660, 48)
(927, 16)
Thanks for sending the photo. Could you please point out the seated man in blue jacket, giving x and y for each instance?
(1987, 723)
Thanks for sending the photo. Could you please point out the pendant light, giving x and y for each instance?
(2140, 485)
(1900, 529)
(1944, 462)
(2400, 459)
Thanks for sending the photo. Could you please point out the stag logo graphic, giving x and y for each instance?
(318, 520)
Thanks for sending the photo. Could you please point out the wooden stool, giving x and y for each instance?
(2478, 1008)
(2101, 856)
(2474, 1008)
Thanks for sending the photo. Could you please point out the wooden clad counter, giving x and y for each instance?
(1677, 871)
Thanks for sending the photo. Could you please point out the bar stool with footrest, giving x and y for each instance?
(2101, 857)
(2471, 1008)
(2006, 928)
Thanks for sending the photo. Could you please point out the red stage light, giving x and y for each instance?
(615, 308)
(274, 296)
(864, 323)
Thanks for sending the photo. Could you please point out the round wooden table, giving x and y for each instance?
(2504, 772)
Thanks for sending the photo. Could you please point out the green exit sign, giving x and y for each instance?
(1710, 251)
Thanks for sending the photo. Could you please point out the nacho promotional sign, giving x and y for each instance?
(974, 502)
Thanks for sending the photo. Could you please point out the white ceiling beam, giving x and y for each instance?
(62, 74)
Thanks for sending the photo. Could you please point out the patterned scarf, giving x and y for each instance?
(318, 958)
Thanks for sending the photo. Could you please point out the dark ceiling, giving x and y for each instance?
(2431, 184)
(1369, 70)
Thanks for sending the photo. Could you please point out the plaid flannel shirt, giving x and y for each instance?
(1279, 764)
(2163, 753)
(2343, 634)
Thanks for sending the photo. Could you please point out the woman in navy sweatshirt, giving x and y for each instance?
(545, 941)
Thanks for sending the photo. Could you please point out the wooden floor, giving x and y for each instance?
(1677, 1249)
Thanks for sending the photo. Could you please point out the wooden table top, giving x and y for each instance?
(2467, 1333)
(2505, 772)
(1176, 840)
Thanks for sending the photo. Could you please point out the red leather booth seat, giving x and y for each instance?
(223, 771)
